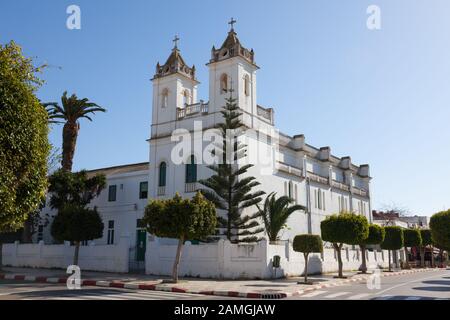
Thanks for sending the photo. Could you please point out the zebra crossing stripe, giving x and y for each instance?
(335, 295)
(313, 294)
(358, 296)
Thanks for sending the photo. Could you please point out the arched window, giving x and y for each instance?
(165, 98)
(185, 97)
(162, 174)
(191, 170)
(247, 85)
(223, 83)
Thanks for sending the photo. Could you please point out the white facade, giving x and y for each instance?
(312, 176)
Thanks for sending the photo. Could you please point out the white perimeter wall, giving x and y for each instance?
(108, 258)
(249, 261)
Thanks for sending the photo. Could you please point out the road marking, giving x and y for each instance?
(313, 294)
(358, 296)
(413, 298)
(335, 295)
(409, 282)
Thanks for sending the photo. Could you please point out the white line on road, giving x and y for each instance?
(358, 296)
(313, 294)
(335, 295)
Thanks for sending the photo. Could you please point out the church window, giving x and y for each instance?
(186, 99)
(191, 171)
(165, 98)
(247, 85)
(290, 190)
(223, 83)
(162, 174)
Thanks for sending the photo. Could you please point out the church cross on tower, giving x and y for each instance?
(231, 23)
(175, 41)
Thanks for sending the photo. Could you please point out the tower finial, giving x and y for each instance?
(175, 41)
(231, 23)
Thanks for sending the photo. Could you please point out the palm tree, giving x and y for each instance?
(71, 111)
(275, 214)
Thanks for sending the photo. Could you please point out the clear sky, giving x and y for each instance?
(382, 97)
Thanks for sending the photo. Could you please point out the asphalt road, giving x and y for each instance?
(21, 290)
(430, 285)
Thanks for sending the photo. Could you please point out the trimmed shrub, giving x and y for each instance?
(307, 243)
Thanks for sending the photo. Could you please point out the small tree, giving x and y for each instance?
(412, 238)
(426, 241)
(440, 229)
(75, 223)
(393, 240)
(181, 219)
(275, 213)
(345, 228)
(307, 243)
(376, 236)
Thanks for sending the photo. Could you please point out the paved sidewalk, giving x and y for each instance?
(256, 289)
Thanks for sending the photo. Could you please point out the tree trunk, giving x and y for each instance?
(389, 254)
(432, 256)
(306, 266)
(422, 257)
(339, 254)
(70, 134)
(363, 259)
(27, 233)
(77, 251)
(177, 260)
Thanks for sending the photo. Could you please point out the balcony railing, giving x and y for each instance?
(360, 192)
(266, 113)
(340, 185)
(192, 109)
(288, 169)
(317, 178)
(190, 187)
(161, 191)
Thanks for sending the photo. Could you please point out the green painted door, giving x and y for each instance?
(141, 244)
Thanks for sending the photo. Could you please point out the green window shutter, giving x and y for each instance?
(191, 171)
(162, 174)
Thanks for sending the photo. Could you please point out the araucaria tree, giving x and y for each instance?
(427, 241)
(376, 236)
(70, 195)
(275, 213)
(307, 243)
(24, 145)
(229, 188)
(411, 238)
(345, 228)
(393, 240)
(71, 111)
(77, 224)
(182, 219)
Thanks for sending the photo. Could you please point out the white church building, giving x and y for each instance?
(325, 184)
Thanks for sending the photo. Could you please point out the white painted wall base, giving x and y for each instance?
(224, 260)
(108, 258)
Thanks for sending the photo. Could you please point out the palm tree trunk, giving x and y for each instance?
(70, 135)
(77, 251)
(306, 266)
(363, 259)
(177, 260)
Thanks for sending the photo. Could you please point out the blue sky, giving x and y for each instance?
(382, 97)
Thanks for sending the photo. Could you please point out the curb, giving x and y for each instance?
(237, 294)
